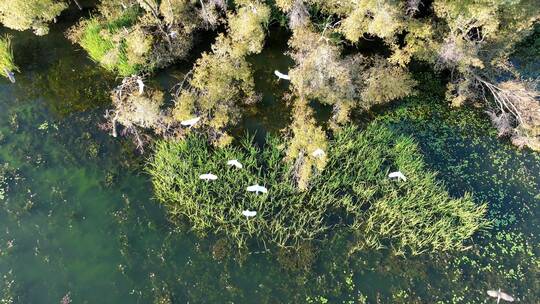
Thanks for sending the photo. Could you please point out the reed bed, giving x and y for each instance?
(353, 192)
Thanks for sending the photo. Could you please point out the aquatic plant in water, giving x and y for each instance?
(7, 62)
(353, 192)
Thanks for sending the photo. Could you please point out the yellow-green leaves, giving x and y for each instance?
(246, 28)
(384, 82)
(373, 17)
(308, 145)
(30, 14)
(222, 80)
(7, 62)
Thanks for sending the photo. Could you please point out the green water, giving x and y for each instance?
(78, 217)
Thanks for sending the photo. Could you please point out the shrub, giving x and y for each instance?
(30, 14)
(101, 39)
(353, 192)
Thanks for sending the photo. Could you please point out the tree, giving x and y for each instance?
(471, 39)
(222, 80)
(306, 138)
(30, 14)
(138, 36)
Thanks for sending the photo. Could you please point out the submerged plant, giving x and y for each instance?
(352, 192)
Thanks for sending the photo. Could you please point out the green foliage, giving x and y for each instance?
(247, 28)
(101, 39)
(413, 216)
(384, 82)
(30, 14)
(307, 137)
(473, 39)
(222, 80)
(378, 18)
(346, 83)
(7, 63)
(136, 37)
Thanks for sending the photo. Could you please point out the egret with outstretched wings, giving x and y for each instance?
(257, 189)
(208, 176)
(281, 75)
(235, 163)
(397, 175)
(190, 122)
(248, 213)
(500, 295)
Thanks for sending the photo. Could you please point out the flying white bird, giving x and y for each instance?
(235, 162)
(257, 189)
(318, 153)
(190, 122)
(208, 176)
(281, 75)
(500, 295)
(141, 85)
(397, 175)
(248, 213)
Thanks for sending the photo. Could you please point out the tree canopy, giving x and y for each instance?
(30, 14)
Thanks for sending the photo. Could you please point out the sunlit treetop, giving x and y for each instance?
(35, 15)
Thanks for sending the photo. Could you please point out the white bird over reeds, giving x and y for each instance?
(208, 176)
(141, 85)
(190, 122)
(248, 213)
(257, 189)
(500, 295)
(281, 75)
(397, 175)
(235, 163)
(318, 153)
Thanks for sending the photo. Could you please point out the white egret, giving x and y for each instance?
(397, 175)
(190, 122)
(281, 75)
(248, 213)
(318, 153)
(235, 162)
(256, 188)
(500, 295)
(141, 85)
(208, 176)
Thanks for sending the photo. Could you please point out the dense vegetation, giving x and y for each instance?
(353, 192)
(307, 169)
(30, 14)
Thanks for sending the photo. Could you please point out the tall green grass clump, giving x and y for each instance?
(7, 61)
(105, 41)
(353, 192)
